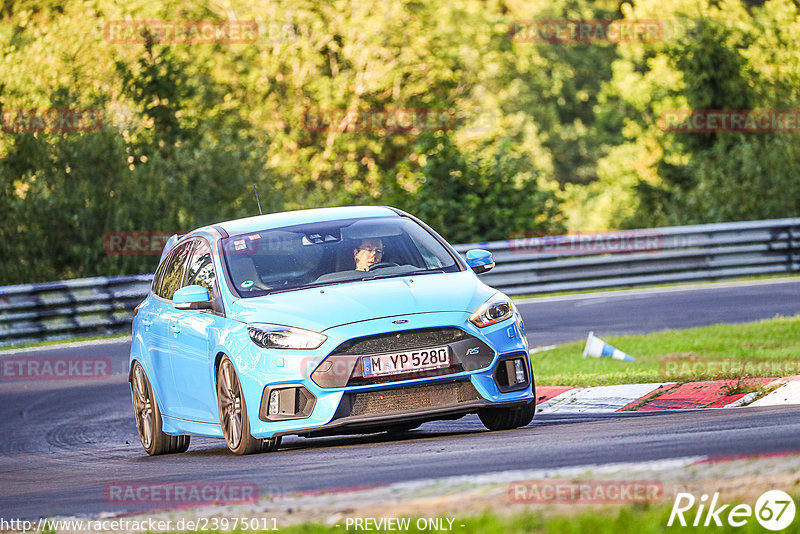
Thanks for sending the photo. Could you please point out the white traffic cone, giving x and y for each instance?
(597, 348)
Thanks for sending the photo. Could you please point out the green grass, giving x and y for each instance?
(630, 519)
(680, 356)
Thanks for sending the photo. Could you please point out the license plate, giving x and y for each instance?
(405, 362)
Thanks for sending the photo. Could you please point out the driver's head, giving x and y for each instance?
(369, 252)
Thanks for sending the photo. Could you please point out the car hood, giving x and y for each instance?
(326, 307)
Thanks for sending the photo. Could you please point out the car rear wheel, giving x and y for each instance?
(507, 418)
(148, 418)
(233, 414)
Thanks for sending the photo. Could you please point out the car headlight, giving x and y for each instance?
(496, 309)
(275, 336)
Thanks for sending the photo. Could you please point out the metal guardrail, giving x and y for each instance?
(543, 264)
(641, 257)
(61, 310)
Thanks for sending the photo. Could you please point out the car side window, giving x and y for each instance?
(201, 269)
(174, 271)
(432, 261)
(158, 278)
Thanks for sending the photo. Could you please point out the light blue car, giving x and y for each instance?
(318, 322)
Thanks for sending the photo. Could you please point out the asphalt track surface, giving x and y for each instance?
(570, 318)
(62, 442)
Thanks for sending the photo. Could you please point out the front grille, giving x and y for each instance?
(399, 341)
(343, 367)
(412, 398)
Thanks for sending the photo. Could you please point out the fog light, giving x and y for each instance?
(286, 401)
(274, 401)
(519, 371)
(512, 373)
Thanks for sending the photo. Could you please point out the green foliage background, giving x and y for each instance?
(550, 136)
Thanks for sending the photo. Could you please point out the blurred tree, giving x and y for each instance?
(488, 193)
(545, 136)
(725, 56)
(168, 156)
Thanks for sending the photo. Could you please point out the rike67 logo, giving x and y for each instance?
(774, 510)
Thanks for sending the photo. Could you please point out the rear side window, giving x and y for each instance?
(170, 275)
(158, 278)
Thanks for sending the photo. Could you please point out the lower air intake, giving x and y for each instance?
(412, 398)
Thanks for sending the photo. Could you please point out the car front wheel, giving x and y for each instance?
(233, 414)
(507, 418)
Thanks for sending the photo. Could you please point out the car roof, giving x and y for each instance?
(289, 218)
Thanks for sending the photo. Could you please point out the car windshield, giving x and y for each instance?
(332, 252)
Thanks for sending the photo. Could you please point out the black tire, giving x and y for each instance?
(507, 418)
(233, 414)
(148, 418)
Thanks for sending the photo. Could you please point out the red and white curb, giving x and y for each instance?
(788, 393)
(600, 399)
(666, 396)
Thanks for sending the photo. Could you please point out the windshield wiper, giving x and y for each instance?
(428, 271)
(396, 275)
(309, 286)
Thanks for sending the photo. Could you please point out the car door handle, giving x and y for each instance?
(176, 328)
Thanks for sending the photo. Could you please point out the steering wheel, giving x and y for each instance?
(382, 264)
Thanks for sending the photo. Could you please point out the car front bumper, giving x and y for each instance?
(360, 406)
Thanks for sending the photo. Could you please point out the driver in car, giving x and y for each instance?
(368, 253)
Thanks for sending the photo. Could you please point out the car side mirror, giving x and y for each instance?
(192, 298)
(479, 260)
